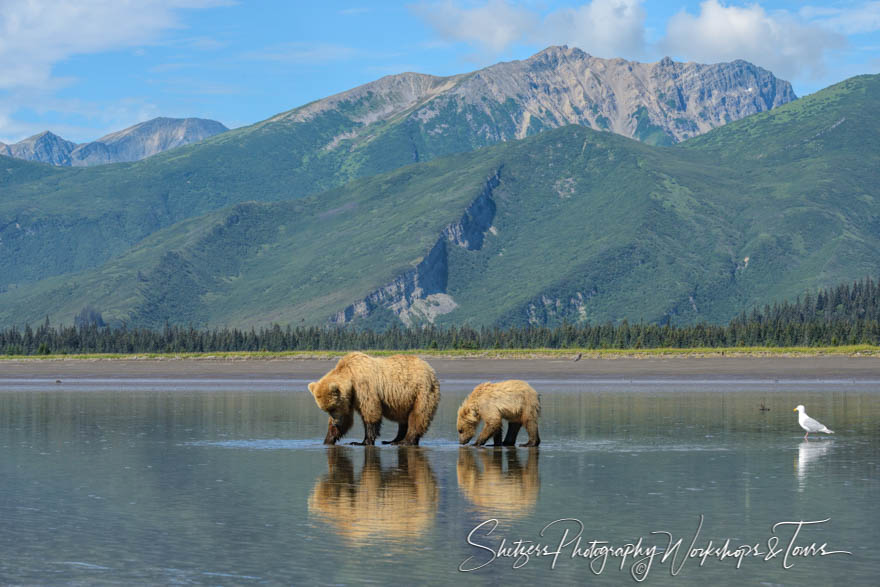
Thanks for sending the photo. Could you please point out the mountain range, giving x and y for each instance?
(131, 144)
(73, 220)
(659, 103)
(363, 209)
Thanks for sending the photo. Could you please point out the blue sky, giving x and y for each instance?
(82, 68)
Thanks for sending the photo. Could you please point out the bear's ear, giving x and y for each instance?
(312, 387)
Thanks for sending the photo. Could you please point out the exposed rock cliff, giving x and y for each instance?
(419, 295)
(647, 101)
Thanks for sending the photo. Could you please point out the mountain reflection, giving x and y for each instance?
(393, 503)
(495, 489)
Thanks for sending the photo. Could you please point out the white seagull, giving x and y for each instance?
(810, 425)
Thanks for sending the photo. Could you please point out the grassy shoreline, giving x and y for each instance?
(610, 354)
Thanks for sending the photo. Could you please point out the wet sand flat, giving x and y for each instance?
(673, 368)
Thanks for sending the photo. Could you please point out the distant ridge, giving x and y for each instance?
(130, 144)
(46, 147)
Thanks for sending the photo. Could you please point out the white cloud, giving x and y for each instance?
(855, 19)
(35, 35)
(784, 43)
(493, 26)
(606, 28)
(602, 27)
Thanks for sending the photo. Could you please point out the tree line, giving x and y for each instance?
(847, 314)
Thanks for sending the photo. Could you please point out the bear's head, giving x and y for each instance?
(334, 396)
(467, 421)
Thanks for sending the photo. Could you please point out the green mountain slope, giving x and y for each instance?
(261, 262)
(14, 172)
(570, 224)
(418, 235)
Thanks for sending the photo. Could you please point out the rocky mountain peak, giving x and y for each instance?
(45, 146)
(551, 56)
(659, 103)
(45, 138)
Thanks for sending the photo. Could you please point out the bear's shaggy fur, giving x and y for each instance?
(401, 388)
(514, 400)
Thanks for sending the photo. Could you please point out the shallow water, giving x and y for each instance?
(226, 483)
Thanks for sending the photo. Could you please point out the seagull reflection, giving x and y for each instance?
(808, 454)
(397, 503)
(494, 490)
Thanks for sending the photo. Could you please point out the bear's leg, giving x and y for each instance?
(532, 429)
(420, 417)
(401, 433)
(371, 431)
(512, 432)
(496, 438)
(490, 428)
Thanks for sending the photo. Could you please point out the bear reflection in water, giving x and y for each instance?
(394, 503)
(494, 489)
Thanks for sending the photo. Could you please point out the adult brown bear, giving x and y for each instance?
(401, 388)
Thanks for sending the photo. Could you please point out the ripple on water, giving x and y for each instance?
(304, 444)
(616, 446)
(261, 443)
(230, 575)
(84, 565)
(443, 444)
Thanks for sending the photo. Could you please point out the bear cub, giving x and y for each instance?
(515, 401)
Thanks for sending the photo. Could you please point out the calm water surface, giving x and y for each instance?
(226, 483)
